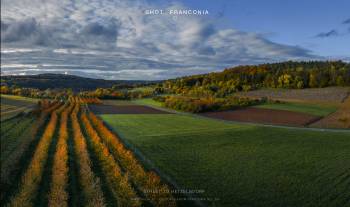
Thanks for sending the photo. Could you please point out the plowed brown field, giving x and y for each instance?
(265, 116)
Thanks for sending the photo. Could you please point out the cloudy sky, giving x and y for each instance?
(118, 39)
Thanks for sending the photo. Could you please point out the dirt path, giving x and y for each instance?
(339, 119)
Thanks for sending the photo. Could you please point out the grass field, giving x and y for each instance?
(147, 101)
(5, 107)
(13, 105)
(117, 102)
(20, 98)
(13, 133)
(143, 89)
(338, 119)
(313, 109)
(241, 165)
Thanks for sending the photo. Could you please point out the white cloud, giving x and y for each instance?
(118, 36)
(4, 66)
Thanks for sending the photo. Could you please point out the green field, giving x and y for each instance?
(117, 102)
(6, 107)
(19, 98)
(147, 101)
(143, 89)
(313, 109)
(13, 105)
(13, 133)
(243, 165)
(308, 108)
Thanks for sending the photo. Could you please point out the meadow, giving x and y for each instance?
(313, 109)
(13, 105)
(239, 164)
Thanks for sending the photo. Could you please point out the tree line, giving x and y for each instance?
(205, 104)
(292, 75)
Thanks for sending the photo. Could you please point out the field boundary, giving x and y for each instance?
(347, 95)
(147, 163)
(254, 124)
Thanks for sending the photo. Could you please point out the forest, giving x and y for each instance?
(291, 75)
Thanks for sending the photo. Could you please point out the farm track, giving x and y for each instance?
(337, 119)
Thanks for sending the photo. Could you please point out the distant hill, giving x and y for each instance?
(45, 81)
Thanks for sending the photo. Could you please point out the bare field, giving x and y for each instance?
(332, 95)
(338, 119)
(265, 116)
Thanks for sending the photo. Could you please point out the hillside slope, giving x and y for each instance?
(45, 81)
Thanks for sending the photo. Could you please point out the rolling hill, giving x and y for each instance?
(45, 81)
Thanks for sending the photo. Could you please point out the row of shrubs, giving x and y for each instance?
(91, 186)
(58, 195)
(146, 181)
(119, 183)
(197, 105)
(33, 175)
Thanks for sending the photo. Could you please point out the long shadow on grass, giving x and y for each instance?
(139, 192)
(74, 189)
(149, 166)
(110, 200)
(44, 186)
(9, 190)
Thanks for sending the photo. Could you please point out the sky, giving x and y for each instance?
(126, 39)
